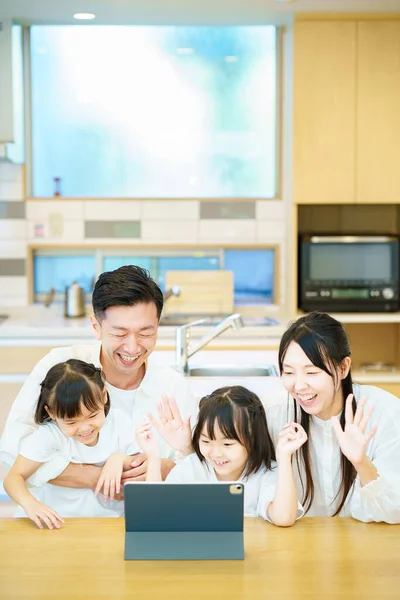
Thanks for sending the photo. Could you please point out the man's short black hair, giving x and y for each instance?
(126, 286)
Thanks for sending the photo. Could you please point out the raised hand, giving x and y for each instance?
(110, 476)
(353, 440)
(147, 441)
(40, 513)
(175, 431)
(291, 438)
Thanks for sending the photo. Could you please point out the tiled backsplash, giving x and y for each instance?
(105, 221)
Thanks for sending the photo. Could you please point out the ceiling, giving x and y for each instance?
(158, 12)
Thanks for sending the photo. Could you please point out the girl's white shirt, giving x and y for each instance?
(158, 380)
(379, 500)
(259, 488)
(116, 435)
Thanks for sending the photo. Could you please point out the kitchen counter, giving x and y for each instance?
(316, 558)
(28, 333)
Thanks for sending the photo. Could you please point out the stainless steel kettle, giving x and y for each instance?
(74, 301)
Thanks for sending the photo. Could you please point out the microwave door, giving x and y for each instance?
(349, 273)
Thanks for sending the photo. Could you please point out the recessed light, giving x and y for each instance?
(84, 16)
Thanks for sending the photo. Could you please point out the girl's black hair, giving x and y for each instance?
(325, 342)
(66, 387)
(240, 415)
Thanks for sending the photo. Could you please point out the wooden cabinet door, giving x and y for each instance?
(324, 112)
(378, 112)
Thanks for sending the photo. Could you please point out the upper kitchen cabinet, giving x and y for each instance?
(378, 112)
(324, 112)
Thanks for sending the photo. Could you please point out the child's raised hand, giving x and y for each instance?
(175, 431)
(110, 476)
(40, 513)
(291, 438)
(147, 441)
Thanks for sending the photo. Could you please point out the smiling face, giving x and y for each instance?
(227, 457)
(315, 390)
(128, 336)
(85, 427)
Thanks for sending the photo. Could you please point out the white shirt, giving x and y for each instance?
(116, 435)
(379, 500)
(259, 488)
(157, 381)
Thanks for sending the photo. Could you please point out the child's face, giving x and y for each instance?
(227, 457)
(85, 427)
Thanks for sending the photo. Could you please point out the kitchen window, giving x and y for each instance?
(154, 112)
(253, 269)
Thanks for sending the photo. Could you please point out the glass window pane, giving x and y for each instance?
(110, 263)
(185, 263)
(58, 272)
(154, 111)
(253, 274)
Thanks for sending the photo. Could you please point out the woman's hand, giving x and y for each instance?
(110, 477)
(175, 431)
(291, 438)
(40, 513)
(353, 440)
(147, 441)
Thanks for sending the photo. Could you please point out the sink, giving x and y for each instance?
(233, 371)
(176, 320)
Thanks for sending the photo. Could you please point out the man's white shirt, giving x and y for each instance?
(137, 403)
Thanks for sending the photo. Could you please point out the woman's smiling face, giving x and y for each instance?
(313, 388)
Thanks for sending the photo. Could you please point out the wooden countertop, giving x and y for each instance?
(317, 558)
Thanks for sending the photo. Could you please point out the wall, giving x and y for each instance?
(118, 222)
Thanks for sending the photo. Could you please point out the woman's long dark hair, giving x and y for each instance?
(239, 415)
(66, 387)
(326, 344)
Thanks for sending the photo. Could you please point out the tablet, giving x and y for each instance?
(184, 521)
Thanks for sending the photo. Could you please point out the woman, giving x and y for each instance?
(350, 465)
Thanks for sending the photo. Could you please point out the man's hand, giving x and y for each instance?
(136, 470)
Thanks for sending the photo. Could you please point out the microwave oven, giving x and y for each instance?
(349, 273)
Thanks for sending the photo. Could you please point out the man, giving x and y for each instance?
(127, 306)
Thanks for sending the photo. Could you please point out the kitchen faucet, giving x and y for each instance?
(175, 290)
(184, 350)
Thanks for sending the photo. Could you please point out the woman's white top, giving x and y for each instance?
(116, 435)
(379, 500)
(259, 488)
